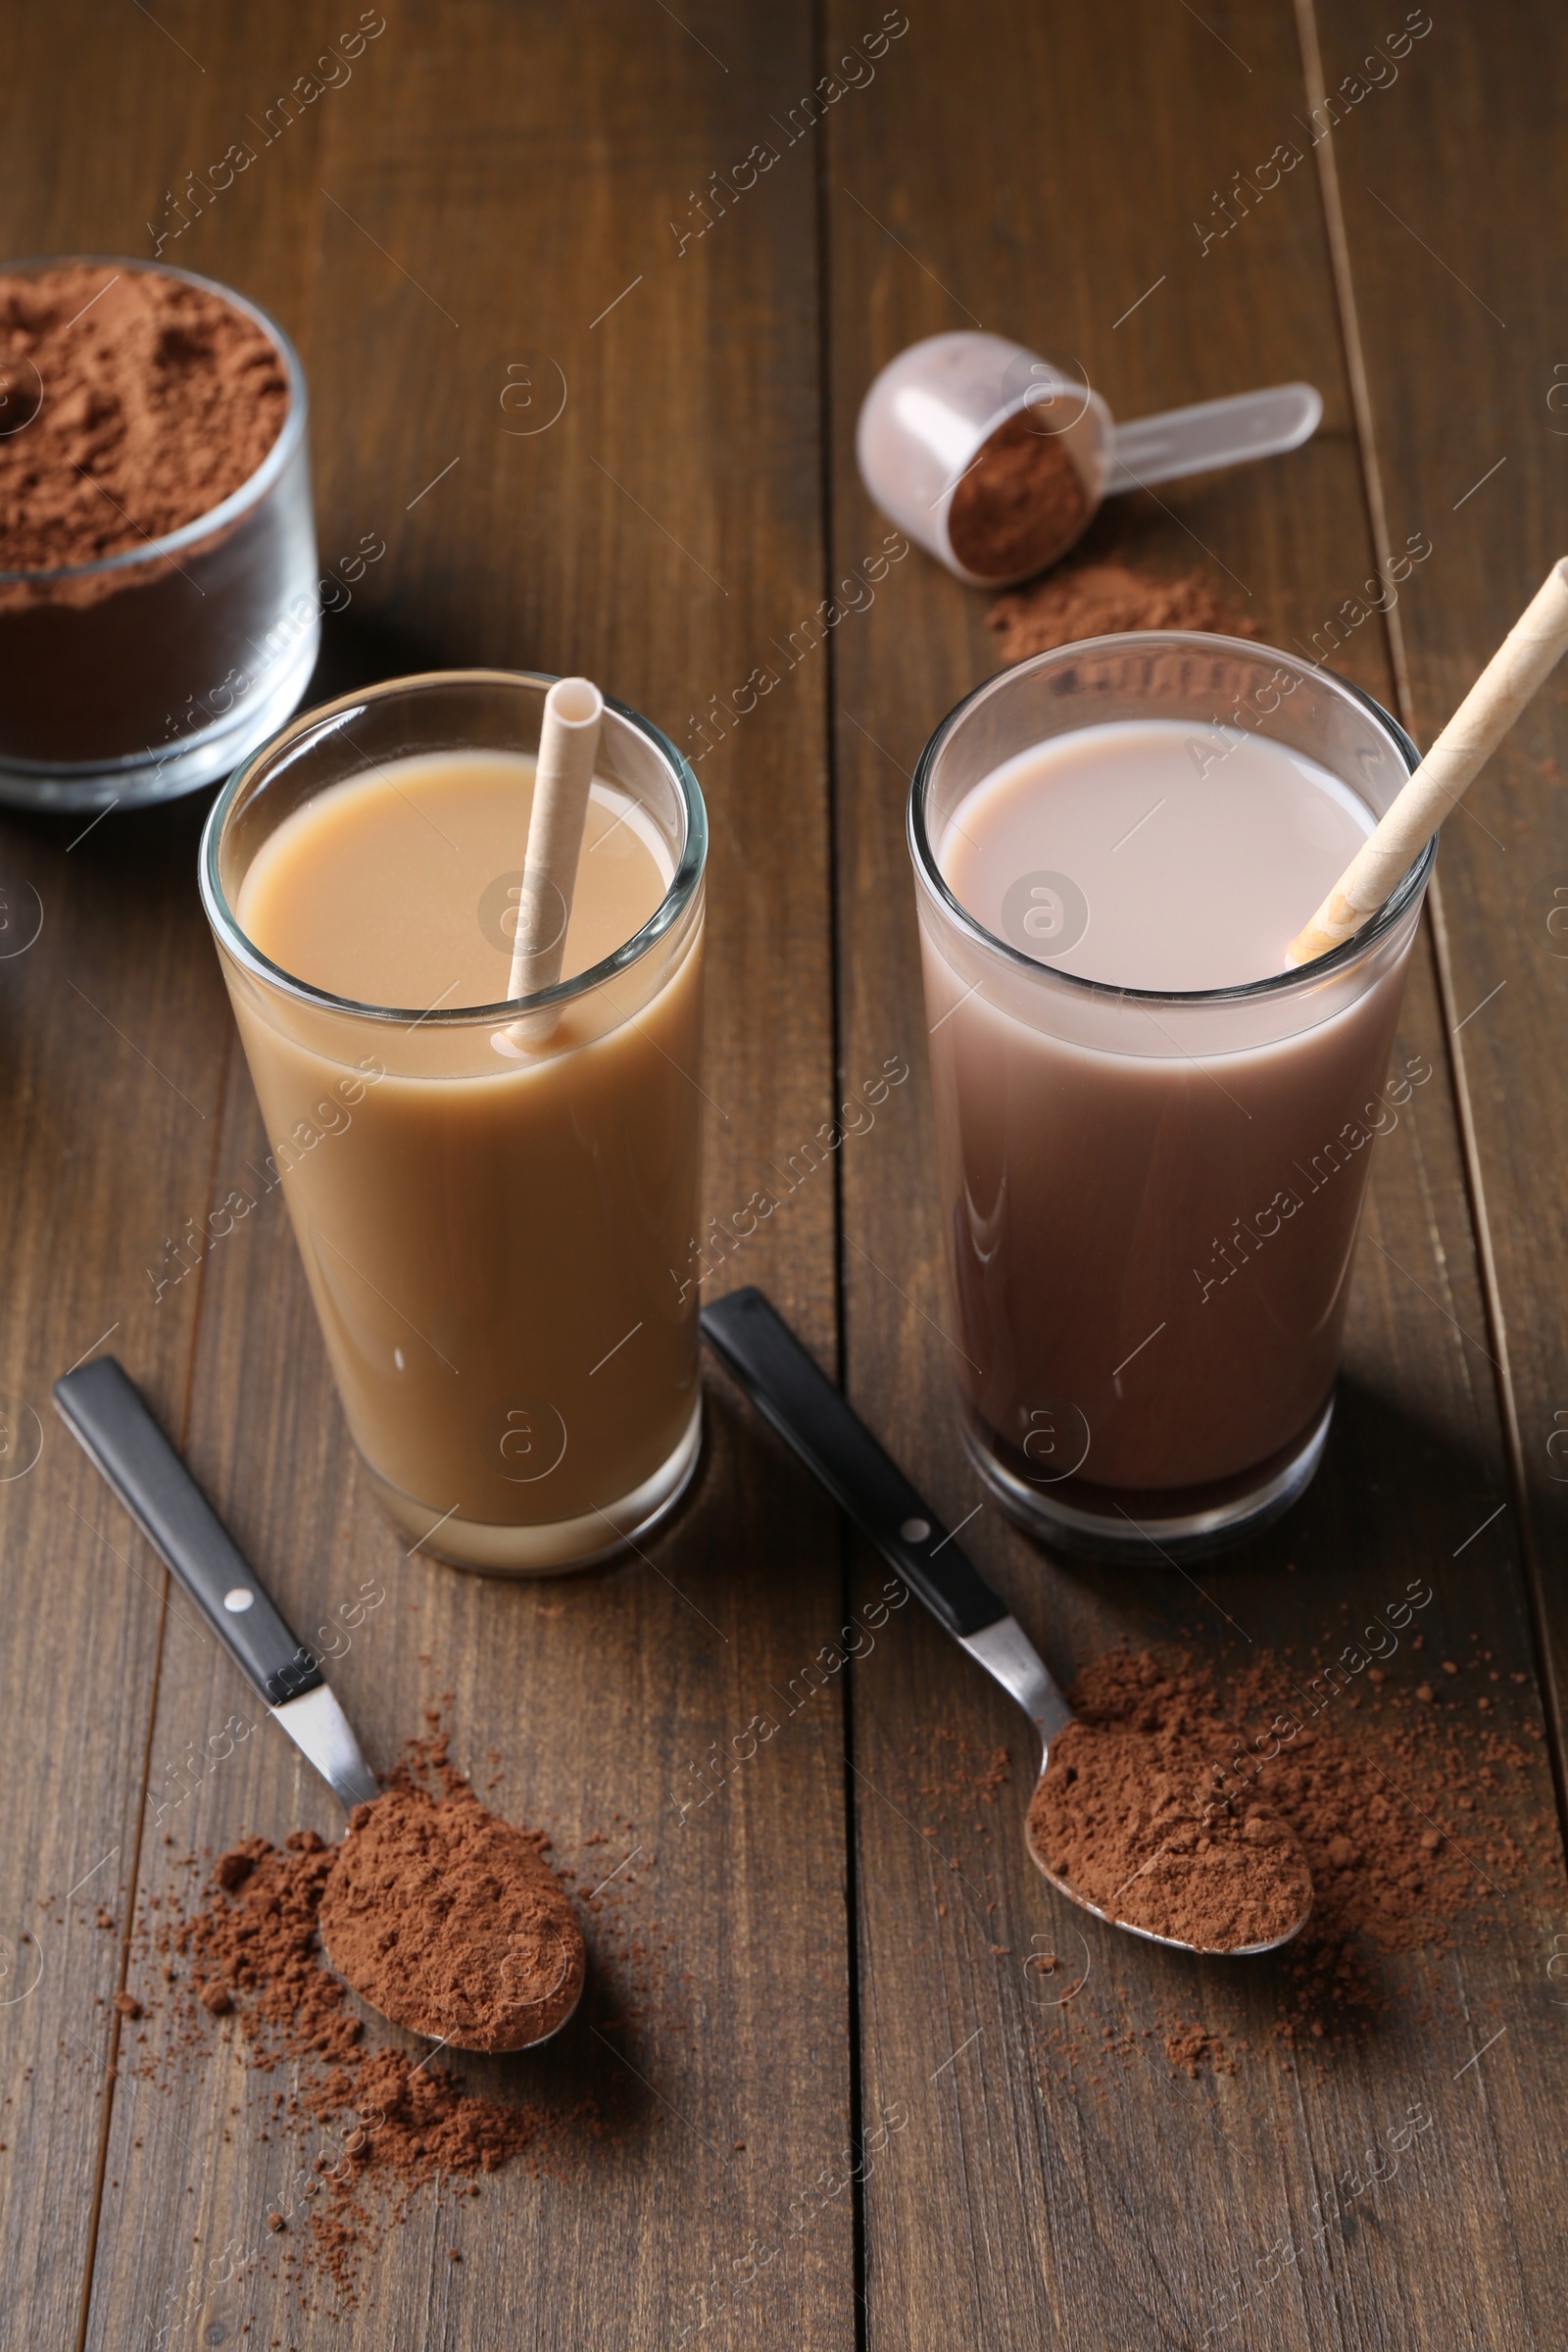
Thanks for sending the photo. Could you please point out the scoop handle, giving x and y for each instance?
(1210, 434)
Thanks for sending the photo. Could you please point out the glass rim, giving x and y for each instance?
(225, 922)
(1348, 950)
(255, 486)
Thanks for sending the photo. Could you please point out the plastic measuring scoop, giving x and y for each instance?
(933, 409)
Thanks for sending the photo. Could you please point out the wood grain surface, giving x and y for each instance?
(1485, 459)
(1060, 2174)
(600, 408)
(117, 1039)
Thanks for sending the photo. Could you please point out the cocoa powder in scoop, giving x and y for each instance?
(1401, 1806)
(147, 402)
(393, 2122)
(1022, 502)
(1377, 1808)
(1418, 1810)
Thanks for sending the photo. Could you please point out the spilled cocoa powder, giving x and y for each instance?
(1128, 1816)
(1191, 2047)
(252, 1950)
(1104, 597)
(1373, 1809)
(143, 401)
(1021, 504)
(1399, 1806)
(1428, 1825)
(450, 1920)
(955, 1778)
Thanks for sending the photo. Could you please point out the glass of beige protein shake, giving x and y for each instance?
(488, 1193)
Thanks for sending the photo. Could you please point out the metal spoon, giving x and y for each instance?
(797, 1398)
(106, 1412)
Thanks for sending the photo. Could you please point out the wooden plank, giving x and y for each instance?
(1066, 2193)
(1483, 462)
(518, 171)
(117, 1039)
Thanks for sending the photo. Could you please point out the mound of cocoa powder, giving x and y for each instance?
(450, 1920)
(1374, 1810)
(1417, 1809)
(254, 1962)
(1021, 504)
(147, 402)
(1401, 1805)
(1101, 598)
(1127, 1815)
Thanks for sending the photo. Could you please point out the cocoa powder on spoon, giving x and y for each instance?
(1129, 1819)
(451, 1921)
(383, 2123)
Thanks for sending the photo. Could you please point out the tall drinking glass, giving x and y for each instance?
(488, 1233)
(1151, 1197)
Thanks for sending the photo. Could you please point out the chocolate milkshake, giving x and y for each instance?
(1154, 1142)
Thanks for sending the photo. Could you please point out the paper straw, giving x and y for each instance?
(568, 744)
(1513, 677)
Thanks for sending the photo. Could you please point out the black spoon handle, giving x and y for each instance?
(104, 1409)
(863, 1479)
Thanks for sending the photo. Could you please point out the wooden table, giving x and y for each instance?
(491, 187)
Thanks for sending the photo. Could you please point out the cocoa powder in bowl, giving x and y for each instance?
(138, 404)
(451, 1921)
(152, 401)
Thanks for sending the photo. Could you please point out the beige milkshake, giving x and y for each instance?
(487, 1232)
